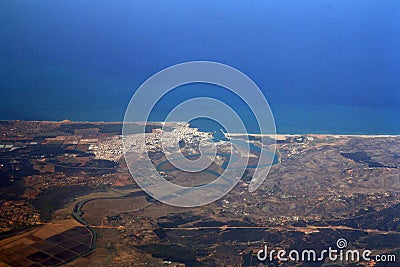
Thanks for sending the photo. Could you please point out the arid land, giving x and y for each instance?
(67, 198)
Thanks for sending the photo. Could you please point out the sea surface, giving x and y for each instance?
(324, 66)
(299, 117)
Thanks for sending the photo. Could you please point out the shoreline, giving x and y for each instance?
(277, 135)
(313, 134)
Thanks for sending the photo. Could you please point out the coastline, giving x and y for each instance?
(282, 136)
(277, 136)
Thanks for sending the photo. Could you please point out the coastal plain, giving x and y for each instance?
(67, 197)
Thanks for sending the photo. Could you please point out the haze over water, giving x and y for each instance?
(324, 66)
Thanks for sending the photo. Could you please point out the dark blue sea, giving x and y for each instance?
(324, 66)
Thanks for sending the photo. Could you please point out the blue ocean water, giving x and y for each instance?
(324, 66)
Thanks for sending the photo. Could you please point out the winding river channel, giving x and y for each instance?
(78, 213)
